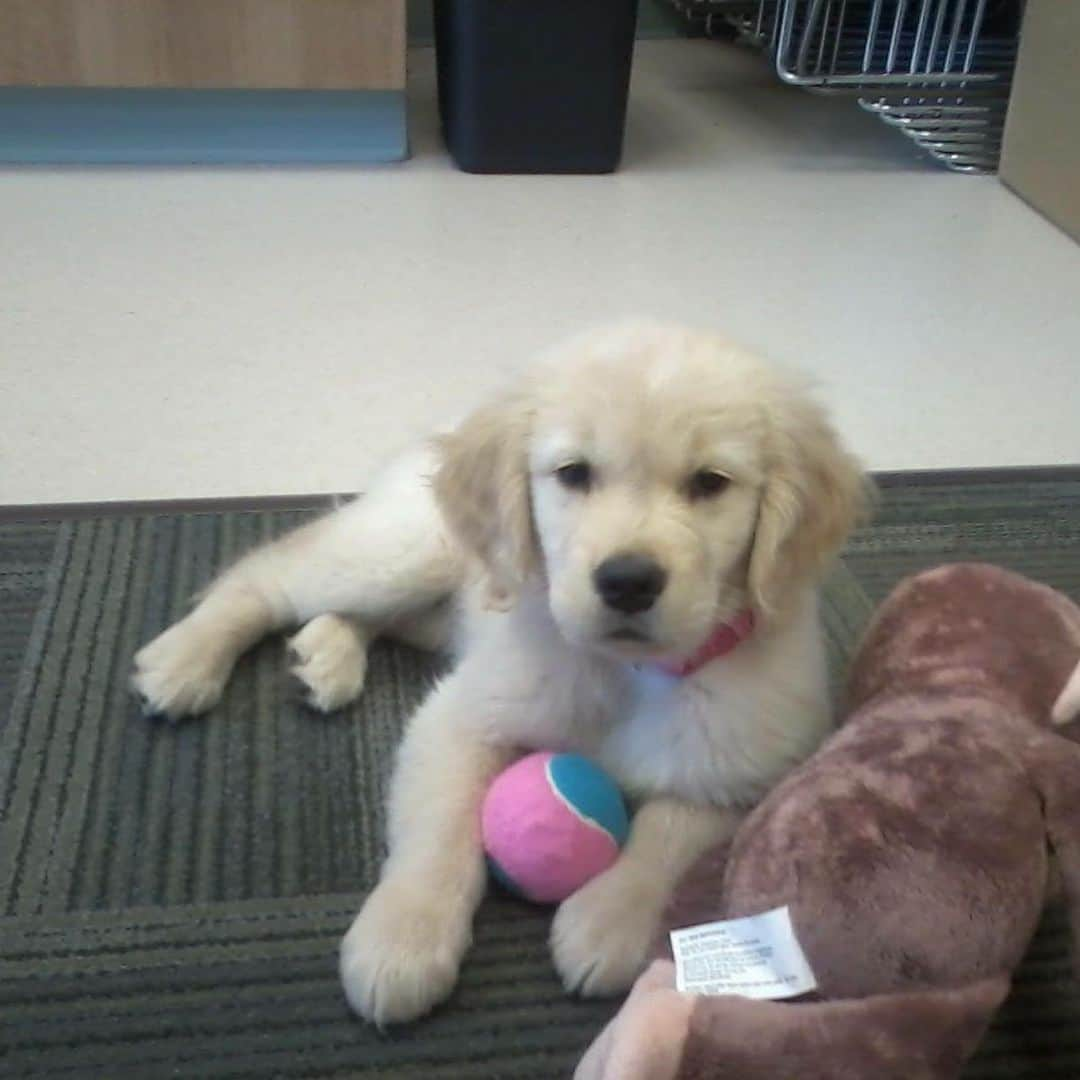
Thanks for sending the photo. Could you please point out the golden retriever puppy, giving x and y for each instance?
(625, 550)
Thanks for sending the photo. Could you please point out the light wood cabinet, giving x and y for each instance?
(204, 44)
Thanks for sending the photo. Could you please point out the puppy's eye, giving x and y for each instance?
(575, 475)
(707, 484)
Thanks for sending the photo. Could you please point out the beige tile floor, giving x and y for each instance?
(188, 333)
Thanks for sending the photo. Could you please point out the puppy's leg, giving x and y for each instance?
(331, 660)
(184, 670)
(402, 953)
(434, 629)
(602, 935)
(380, 559)
(331, 651)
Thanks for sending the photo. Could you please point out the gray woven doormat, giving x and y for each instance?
(171, 898)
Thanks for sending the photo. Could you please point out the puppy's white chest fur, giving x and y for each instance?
(722, 735)
(727, 732)
(674, 738)
(716, 736)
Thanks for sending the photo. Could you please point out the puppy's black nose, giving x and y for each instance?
(629, 583)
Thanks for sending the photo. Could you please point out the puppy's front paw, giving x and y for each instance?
(601, 935)
(401, 955)
(331, 661)
(182, 672)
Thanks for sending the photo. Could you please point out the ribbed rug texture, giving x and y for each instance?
(171, 898)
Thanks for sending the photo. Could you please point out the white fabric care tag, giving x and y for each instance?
(756, 957)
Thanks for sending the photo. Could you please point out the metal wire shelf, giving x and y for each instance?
(937, 70)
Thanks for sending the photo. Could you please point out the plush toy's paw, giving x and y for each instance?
(401, 955)
(331, 661)
(601, 935)
(645, 1040)
(182, 672)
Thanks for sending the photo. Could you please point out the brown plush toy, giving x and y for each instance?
(913, 852)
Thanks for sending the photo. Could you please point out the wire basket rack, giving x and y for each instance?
(937, 70)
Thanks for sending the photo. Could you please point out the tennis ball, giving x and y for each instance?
(550, 823)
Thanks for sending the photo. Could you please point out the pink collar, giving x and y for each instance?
(726, 637)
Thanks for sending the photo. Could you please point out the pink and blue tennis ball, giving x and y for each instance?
(550, 823)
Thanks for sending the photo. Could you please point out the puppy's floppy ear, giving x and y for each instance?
(483, 490)
(814, 494)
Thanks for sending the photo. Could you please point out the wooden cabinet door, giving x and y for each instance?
(204, 44)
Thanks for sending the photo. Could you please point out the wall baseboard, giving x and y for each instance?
(88, 126)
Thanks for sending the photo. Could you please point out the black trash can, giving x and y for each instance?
(534, 86)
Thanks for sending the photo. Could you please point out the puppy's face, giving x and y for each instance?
(657, 481)
(645, 490)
